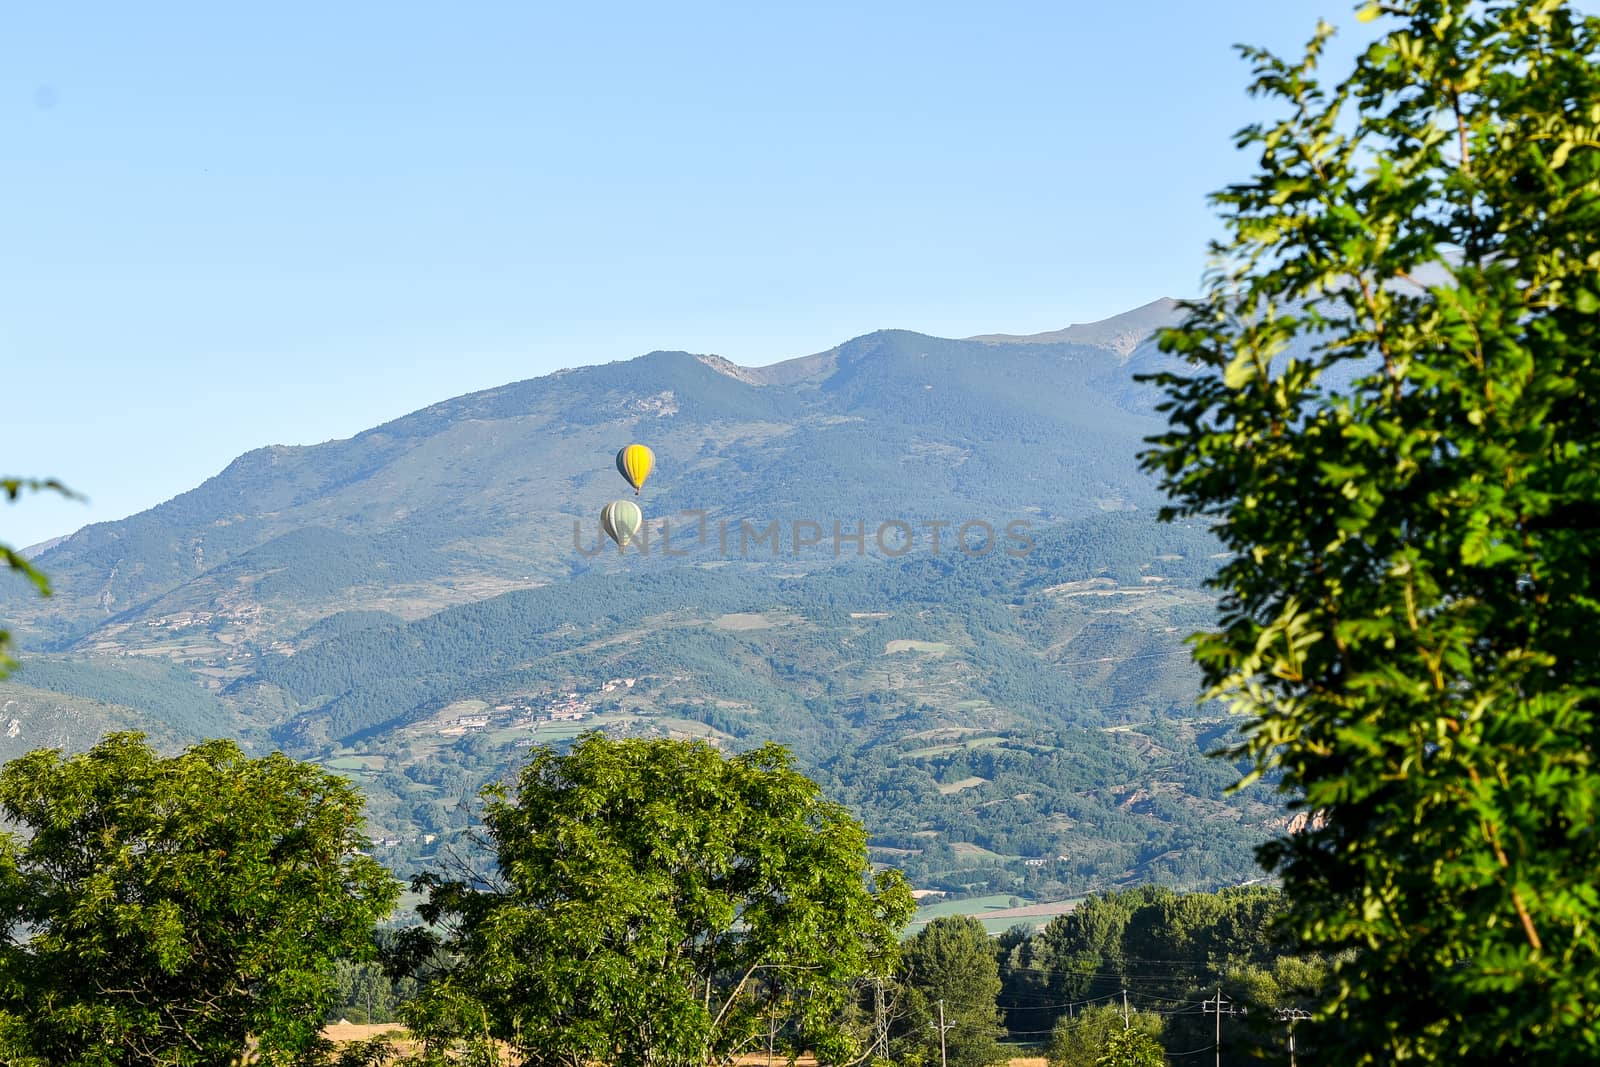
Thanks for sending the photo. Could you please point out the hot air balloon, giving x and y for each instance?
(621, 519)
(635, 462)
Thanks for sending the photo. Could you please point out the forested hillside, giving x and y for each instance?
(1010, 709)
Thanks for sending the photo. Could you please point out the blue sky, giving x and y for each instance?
(224, 229)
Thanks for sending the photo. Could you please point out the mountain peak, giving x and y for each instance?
(1120, 333)
(731, 369)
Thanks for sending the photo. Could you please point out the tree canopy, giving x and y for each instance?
(1131, 1048)
(659, 903)
(951, 963)
(1391, 413)
(1083, 1038)
(165, 910)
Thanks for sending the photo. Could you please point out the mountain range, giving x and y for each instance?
(1009, 707)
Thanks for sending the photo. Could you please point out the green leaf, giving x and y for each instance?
(1443, 541)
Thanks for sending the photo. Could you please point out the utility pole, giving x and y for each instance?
(942, 1026)
(1292, 1016)
(880, 1019)
(772, 1019)
(1124, 1009)
(1221, 1006)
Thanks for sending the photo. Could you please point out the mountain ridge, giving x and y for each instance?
(1122, 333)
(268, 491)
(930, 566)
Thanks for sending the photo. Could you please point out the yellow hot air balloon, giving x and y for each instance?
(621, 519)
(635, 462)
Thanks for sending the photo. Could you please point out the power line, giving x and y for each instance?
(1176, 966)
(1183, 1007)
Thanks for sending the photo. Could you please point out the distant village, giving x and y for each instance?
(570, 706)
(524, 712)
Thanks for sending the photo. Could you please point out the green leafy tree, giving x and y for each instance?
(15, 561)
(1026, 967)
(1079, 1040)
(1131, 1048)
(1084, 947)
(1391, 413)
(951, 961)
(366, 993)
(659, 903)
(172, 910)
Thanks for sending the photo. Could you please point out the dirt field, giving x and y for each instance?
(343, 1032)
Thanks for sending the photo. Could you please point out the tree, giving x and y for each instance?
(1025, 968)
(167, 910)
(951, 961)
(16, 561)
(1085, 945)
(1131, 1048)
(1391, 413)
(366, 994)
(1081, 1039)
(659, 903)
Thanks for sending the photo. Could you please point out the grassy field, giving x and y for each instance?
(740, 621)
(356, 763)
(953, 746)
(970, 906)
(937, 648)
(994, 911)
